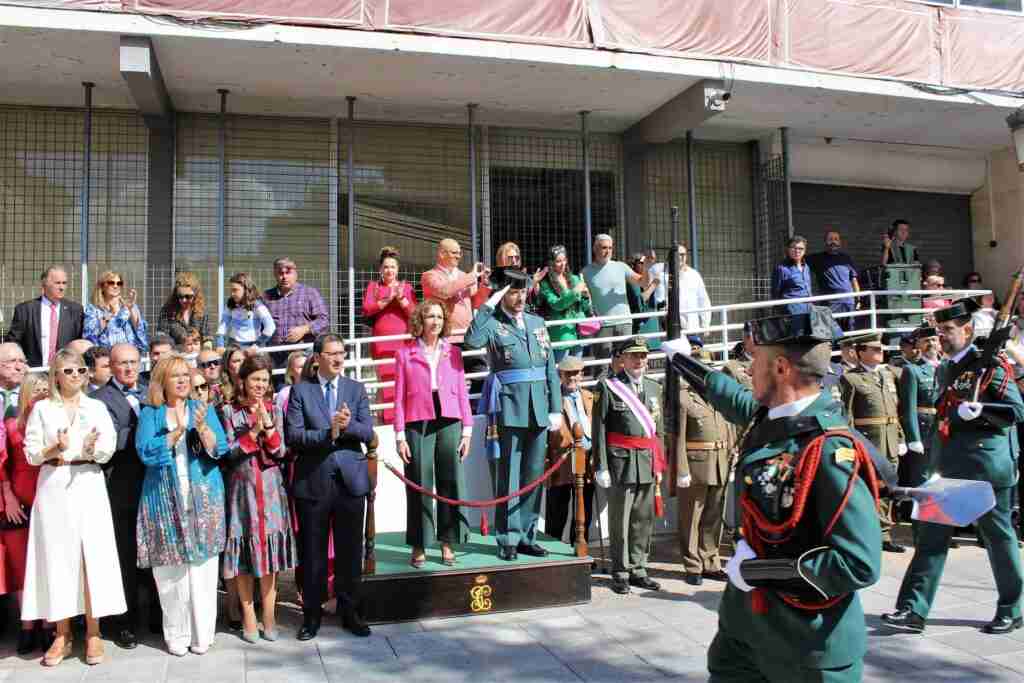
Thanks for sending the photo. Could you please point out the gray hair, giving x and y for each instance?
(811, 362)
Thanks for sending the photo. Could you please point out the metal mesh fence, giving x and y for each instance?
(772, 227)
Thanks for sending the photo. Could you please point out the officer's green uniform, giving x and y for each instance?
(702, 453)
(974, 449)
(919, 394)
(523, 414)
(762, 636)
(631, 495)
(871, 401)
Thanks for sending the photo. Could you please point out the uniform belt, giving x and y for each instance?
(875, 421)
(704, 445)
(928, 411)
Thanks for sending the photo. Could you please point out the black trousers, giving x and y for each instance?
(560, 508)
(132, 578)
(315, 518)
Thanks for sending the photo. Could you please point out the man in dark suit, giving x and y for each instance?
(328, 422)
(43, 325)
(123, 396)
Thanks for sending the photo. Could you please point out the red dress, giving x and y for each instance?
(22, 476)
(393, 318)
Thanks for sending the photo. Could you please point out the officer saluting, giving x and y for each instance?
(522, 399)
(627, 432)
(973, 442)
(810, 524)
(871, 399)
(919, 393)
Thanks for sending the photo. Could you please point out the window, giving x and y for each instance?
(1005, 5)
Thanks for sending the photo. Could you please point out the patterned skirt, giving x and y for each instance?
(260, 537)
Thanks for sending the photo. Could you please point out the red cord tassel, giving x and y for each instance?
(483, 523)
(659, 503)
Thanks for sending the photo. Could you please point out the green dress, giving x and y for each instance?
(564, 305)
(642, 325)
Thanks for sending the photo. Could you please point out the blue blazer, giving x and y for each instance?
(320, 463)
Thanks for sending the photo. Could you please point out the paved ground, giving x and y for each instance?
(642, 637)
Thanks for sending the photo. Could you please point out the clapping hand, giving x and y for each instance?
(540, 275)
(200, 414)
(297, 333)
(464, 447)
(131, 298)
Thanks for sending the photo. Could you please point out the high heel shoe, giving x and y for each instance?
(93, 650)
(60, 649)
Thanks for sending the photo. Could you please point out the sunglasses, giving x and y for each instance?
(201, 387)
(207, 364)
(186, 297)
(74, 371)
(114, 283)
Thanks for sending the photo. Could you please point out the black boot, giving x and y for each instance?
(904, 618)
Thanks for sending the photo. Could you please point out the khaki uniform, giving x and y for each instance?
(702, 452)
(871, 400)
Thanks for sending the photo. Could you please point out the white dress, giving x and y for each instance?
(71, 533)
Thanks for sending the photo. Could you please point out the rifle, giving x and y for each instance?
(996, 341)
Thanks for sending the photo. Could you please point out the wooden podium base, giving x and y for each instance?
(480, 583)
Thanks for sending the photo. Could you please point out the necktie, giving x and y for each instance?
(5, 396)
(133, 392)
(52, 351)
(330, 398)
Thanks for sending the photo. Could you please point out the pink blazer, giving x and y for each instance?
(413, 398)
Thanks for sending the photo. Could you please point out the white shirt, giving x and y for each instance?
(518, 317)
(958, 356)
(44, 327)
(433, 359)
(792, 408)
(133, 401)
(692, 295)
(657, 270)
(323, 387)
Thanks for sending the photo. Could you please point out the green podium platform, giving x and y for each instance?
(480, 583)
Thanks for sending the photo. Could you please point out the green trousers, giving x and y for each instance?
(734, 661)
(522, 461)
(630, 523)
(435, 464)
(932, 544)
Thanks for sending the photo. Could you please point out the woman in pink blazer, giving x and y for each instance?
(433, 424)
(388, 303)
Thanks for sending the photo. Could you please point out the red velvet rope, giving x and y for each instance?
(481, 503)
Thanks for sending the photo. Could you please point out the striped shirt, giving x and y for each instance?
(244, 326)
(303, 306)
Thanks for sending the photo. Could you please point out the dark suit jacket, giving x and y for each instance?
(319, 460)
(25, 331)
(125, 470)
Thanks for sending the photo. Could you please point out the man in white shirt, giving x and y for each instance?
(44, 325)
(692, 295)
(12, 372)
(656, 271)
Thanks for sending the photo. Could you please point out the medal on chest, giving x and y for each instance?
(964, 384)
(770, 485)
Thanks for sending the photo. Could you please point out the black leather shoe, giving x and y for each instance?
(309, 630)
(126, 639)
(1003, 625)
(533, 550)
(890, 547)
(718, 575)
(27, 641)
(694, 579)
(507, 554)
(354, 624)
(904, 618)
(644, 582)
(620, 586)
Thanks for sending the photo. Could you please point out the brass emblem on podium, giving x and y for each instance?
(480, 595)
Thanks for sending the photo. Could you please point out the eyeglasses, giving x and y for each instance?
(207, 364)
(186, 297)
(201, 387)
(114, 283)
(74, 371)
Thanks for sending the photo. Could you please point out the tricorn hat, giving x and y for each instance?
(961, 308)
(813, 327)
(516, 278)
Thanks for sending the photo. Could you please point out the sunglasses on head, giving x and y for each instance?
(74, 371)
(114, 283)
(207, 364)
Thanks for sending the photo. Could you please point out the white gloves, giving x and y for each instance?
(603, 479)
(554, 421)
(498, 296)
(732, 568)
(671, 348)
(916, 446)
(969, 410)
(683, 481)
(901, 450)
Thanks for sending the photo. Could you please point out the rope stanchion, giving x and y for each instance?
(493, 502)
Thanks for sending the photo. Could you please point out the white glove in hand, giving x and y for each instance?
(732, 568)
(683, 481)
(603, 479)
(901, 449)
(498, 296)
(671, 348)
(554, 421)
(916, 446)
(969, 410)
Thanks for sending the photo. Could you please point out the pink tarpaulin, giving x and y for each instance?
(324, 12)
(740, 29)
(554, 22)
(888, 39)
(983, 50)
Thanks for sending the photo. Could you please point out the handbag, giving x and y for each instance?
(589, 328)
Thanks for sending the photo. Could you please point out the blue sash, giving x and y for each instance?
(490, 403)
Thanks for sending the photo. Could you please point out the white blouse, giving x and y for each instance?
(49, 415)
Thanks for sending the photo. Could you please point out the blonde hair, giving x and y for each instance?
(97, 291)
(61, 360)
(28, 387)
(503, 252)
(161, 373)
(288, 366)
